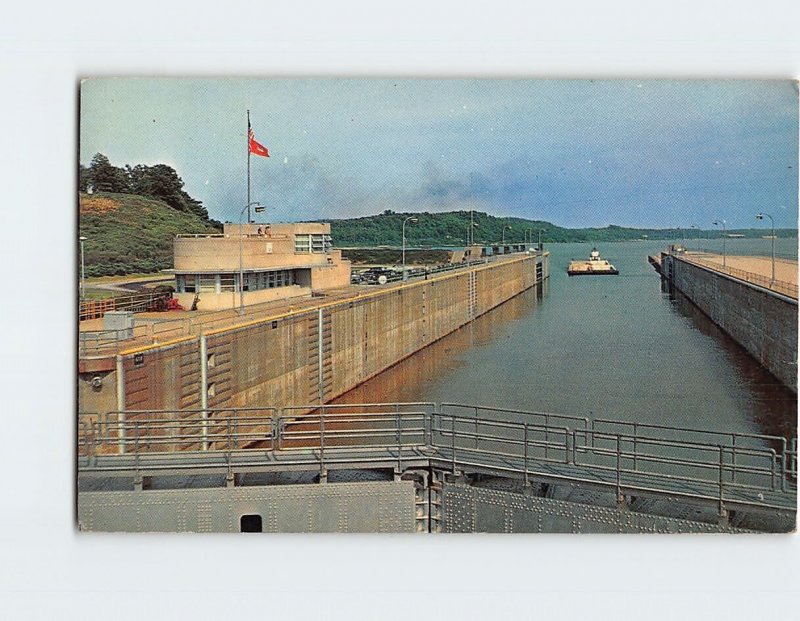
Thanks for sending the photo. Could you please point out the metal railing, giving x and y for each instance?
(779, 286)
(629, 458)
(229, 235)
(136, 302)
(424, 272)
(102, 339)
(791, 258)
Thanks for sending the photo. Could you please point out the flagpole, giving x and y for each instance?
(248, 167)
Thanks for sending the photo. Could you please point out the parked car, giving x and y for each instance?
(378, 276)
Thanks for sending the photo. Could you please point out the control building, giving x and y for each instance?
(277, 261)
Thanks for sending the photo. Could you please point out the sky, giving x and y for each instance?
(577, 153)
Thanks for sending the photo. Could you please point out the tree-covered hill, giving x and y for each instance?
(130, 215)
(451, 228)
(160, 181)
(126, 233)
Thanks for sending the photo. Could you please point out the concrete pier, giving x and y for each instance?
(740, 296)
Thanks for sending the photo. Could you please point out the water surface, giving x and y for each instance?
(603, 347)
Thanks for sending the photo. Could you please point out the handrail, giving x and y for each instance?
(718, 436)
(708, 464)
(234, 236)
(779, 286)
(424, 272)
(780, 256)
(136, 302)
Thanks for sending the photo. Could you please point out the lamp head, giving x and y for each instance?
(414, 220)
(759, 216)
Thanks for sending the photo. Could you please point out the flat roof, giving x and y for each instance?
(247, 269)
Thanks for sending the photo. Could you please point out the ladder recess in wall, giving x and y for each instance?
(319, 355)
(472, 295)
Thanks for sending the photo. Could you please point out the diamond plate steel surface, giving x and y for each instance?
(375, 506)
(472, 509)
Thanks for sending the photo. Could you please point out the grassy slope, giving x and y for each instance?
(128, 234)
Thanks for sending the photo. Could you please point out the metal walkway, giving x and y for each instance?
(730, 471)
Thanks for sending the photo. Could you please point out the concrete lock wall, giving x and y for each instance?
(320, 353)
(764, 323)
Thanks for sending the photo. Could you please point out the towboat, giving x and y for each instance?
(595, 266)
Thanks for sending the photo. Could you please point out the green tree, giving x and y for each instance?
(103, 177)
(163, 182)
(84, 178)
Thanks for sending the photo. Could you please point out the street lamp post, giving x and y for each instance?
(413, 220)
(760, 216)
(724, 253)
(470, 228)
(694, 227)
(540, 239)
(258, 209)
(82, 239)
(507, 226)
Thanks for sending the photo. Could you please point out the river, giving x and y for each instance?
(613, 347)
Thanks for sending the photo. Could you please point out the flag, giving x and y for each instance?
(256, 148)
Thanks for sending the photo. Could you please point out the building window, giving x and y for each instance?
(256, 281)
(208, 283)
(302, 243)
(226, 282)
(317, 243)
(189, 285)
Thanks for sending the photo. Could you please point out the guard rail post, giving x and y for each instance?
(229, 479)
(526, 454)
(137, 479)
(546, 435)
(278, 431)
(620, 499)
(476, 427)
(773, 462)
(323, 476)
(785, 467)
(721, 506)
(398, 437)
(453, 441)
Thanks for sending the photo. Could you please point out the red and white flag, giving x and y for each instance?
(256, 148)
